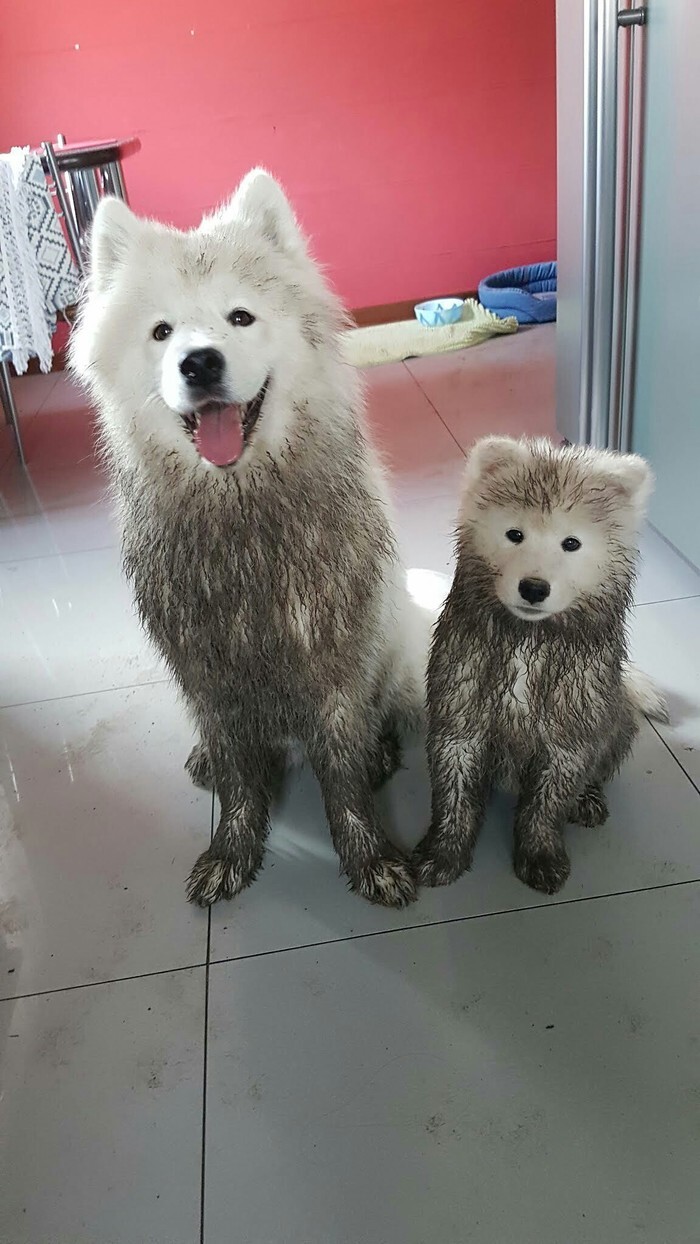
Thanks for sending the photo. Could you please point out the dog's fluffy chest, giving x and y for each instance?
(261, 588)
(520, 682)
(538, 693)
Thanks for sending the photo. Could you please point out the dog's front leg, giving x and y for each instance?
(198, 766)
(460, 781)
(547, 795)
(341, 754)
(244, 780)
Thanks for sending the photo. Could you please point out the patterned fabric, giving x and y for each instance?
(37, 275)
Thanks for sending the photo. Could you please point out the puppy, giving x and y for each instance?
(528, 680)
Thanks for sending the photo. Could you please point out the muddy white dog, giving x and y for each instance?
(528, 680)
(256, 530)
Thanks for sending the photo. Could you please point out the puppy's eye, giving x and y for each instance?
(240, 318)
(571, 544)
(162, 330)
(514, 535)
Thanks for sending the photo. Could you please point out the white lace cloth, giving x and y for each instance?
(37, 275)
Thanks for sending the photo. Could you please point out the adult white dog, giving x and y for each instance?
(256, 530)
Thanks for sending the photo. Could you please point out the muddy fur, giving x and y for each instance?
(272, 587)
(546, 705)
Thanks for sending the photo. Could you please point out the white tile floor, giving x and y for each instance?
(299, 1067)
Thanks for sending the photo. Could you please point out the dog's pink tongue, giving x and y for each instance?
(219, 435)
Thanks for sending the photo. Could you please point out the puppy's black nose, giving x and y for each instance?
(203, 369)
(534, 591)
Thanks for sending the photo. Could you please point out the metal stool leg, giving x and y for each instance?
(8, 405)
(68, 215)
(113, 181)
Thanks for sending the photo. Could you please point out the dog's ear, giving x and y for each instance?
(115, 233)
(492, 454)
(262, 201)
(629, 478)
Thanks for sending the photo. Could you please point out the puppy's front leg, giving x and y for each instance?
(342, 757)
(460, 781)
(547, 794)
(244, 780)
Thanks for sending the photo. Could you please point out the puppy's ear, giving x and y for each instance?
(634, 478)
(116, 233)
(493, 454)
(261, 200)
(627, 480)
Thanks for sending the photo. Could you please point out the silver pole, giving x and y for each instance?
(590, 113)
(112, 180)
(71, 226)
(606, 185)
(8, 404)
(89, 190)
(622, 201)
(635, 147)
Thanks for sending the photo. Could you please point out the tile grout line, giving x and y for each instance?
(434, 408)
(18, 519)
(205, 1068)
(205, 1064)
(673, 756)
(667, 600)
(480, 915)
(41, 406)
(354, 937)
(670, 545)
(112, 980)
(32, 414)
(38, 557)
(77, 695)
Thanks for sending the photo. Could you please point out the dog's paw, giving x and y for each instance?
(546, 871)
(198, 767)
(591, 808)
(214, 877)
(433, 867)
(390, 883)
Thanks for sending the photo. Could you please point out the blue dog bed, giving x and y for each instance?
(530, 294)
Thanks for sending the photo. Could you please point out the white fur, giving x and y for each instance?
(248, 254)
(608, 496)
(143, 273)
(621, 481)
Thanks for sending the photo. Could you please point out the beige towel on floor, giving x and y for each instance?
(391, 343)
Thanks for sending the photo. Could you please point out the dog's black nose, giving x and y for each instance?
(534, 591)
(203, 369)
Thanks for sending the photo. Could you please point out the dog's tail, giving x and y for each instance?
(646, 697)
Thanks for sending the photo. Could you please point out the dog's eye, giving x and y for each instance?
(240, 318)
(162, 330)
(515, 536)
(571, 544)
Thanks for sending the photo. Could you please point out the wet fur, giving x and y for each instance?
(549, 708)
(272, 588)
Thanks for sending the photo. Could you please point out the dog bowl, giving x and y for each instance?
(439, 311)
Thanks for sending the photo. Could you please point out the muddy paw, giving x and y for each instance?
(198, 767)
(545, 871)
(591, 808)
(387, 882)
(214, 877)
(433, 868)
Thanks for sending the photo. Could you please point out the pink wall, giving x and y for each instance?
(416, 139)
